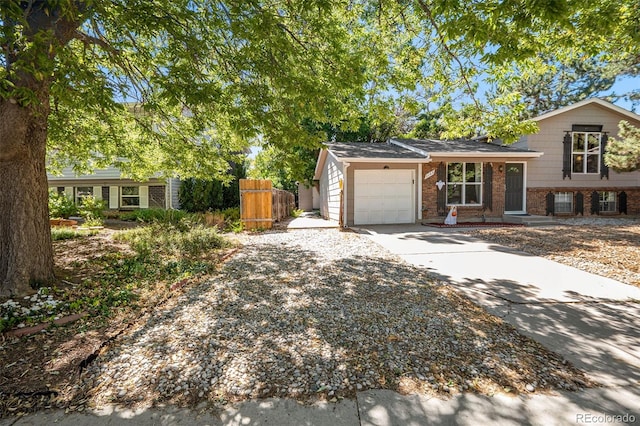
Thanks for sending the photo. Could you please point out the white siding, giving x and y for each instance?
(330, 188)
(546, 171)
(173, 201)
(68, 173)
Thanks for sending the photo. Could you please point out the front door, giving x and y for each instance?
(514, 192)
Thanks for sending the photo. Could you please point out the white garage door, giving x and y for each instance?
(383, 196)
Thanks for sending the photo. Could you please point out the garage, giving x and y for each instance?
(383, 196)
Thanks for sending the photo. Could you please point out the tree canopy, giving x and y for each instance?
(183, 86)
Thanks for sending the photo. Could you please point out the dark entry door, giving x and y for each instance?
(514, 192)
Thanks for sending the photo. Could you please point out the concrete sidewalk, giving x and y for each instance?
(310, 220)
(378, 408)
(590, 320)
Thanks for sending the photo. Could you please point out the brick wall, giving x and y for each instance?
(157, 196)
(537, 204)
(465, 214)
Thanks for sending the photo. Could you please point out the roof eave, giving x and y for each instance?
(322, 156)
(488, 154)
(384, 160)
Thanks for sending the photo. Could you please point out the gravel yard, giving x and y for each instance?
(318, 314)
(604, 246)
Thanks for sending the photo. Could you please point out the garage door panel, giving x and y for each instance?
(383, 196)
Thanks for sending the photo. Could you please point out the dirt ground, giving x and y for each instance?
(608, 250)
(42, 369)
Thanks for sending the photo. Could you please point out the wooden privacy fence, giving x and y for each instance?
(261, 205)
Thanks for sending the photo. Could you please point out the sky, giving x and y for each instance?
(625, 85)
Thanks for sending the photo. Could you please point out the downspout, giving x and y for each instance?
(345, 166)
(419, 203)
(169, 195)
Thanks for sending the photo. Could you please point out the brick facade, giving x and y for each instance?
(465, 213)
(537, 204)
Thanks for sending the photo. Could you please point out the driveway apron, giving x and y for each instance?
(589, 319)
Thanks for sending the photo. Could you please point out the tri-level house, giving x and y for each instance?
(557, 171)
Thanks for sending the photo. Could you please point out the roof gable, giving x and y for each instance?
(591, 101)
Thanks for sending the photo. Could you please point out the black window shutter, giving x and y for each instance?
(604, 170)
(566, 156)
(551, 204)
(488, 187)
(579, 207)
(595, 202)
(442, 193)
(622, 202)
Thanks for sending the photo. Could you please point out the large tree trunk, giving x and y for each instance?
(26, 253)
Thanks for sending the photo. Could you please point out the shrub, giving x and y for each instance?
(92, 209)
(61, 206)
(155, 216)
(197, 195)
(172, 239)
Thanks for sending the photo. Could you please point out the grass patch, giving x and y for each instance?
(178, 241)
(111, 276)
(59, 233)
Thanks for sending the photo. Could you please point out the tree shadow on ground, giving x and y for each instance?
(284, 321)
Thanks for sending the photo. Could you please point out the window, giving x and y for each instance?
(464, 183)
(608, 201)
(83, 192)
(563, 202)
(585, 152)
(130, 196)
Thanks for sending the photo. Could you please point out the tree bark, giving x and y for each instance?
(26, 253)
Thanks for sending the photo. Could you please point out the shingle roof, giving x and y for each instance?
(460, 146)
(372, 151)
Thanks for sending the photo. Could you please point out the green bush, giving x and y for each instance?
(197, 195)
(172, 239)
(61, 206)
(92, 209)
(231, 214)
(156, 216)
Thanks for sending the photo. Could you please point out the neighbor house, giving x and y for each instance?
(118, 193)
(559, 170)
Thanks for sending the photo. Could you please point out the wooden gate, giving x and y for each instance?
(261, 205)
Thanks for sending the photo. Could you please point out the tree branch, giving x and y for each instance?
(449, 52)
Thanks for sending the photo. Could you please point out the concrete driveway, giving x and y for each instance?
(591, 320)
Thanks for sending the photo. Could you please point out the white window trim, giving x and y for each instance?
(586, 153)
(123, 196)
(601, 201)
(464, 183)
(555, 202)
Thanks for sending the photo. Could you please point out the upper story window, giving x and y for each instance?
(586, 149)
